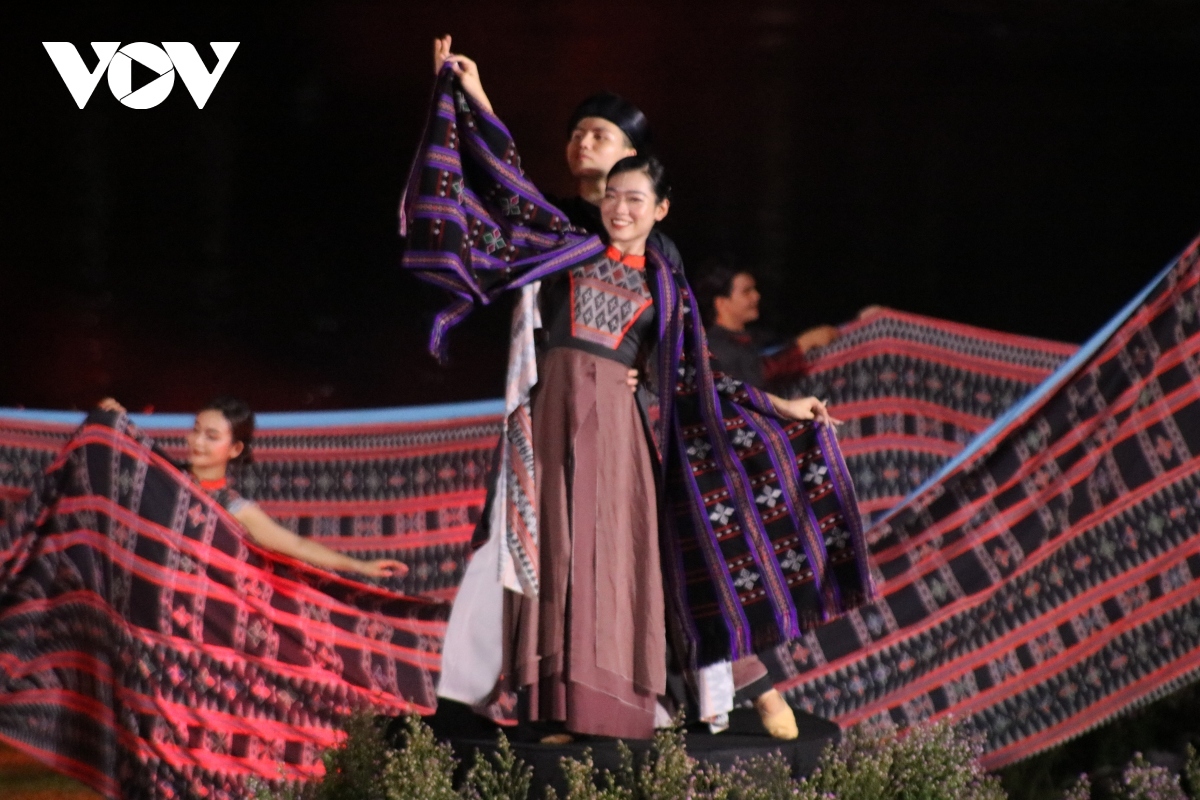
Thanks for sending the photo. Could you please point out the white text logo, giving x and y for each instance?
(163, 61)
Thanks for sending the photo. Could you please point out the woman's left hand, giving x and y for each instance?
(804, 408)
(383, 568)
(631, 380)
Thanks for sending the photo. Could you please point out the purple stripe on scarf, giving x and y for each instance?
(808, 527)
(510, 176)
(786, 615)
(418, 166)
(735, 617)
(450, 282)
(535, 239)
(429, 263)
(736, 483)
(445, 155)
(592, 246)
(844, 487)
(765, 432)
(506, 176)
(443, 322)
(670, 347)
(793, 492)
(443, 211)
(831, 602)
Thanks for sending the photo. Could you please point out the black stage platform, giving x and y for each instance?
(467, 733)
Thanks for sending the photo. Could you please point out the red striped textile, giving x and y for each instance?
(912, 390)
(406, 490)
(149, 649)
(1052, 579)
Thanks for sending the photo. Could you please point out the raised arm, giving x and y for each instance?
(466, 70)
(271, 534)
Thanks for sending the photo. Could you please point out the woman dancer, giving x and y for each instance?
(221, 435)
(589, 649)
(597, 496)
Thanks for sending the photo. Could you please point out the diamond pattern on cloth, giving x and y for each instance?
(607, 297)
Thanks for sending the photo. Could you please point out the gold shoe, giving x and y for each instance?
(776, 715)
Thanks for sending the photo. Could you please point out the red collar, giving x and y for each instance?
(637, 262)
(212, 486)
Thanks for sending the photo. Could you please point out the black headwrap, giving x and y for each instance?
(620, 112)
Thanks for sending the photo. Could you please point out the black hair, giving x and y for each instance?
(241, 422)
(715, 280)
(651, 166)
(620, 112)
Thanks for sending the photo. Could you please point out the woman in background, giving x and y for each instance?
(220, 436)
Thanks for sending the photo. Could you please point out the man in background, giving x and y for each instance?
(728, 297)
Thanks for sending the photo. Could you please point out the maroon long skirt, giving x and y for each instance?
(591, 649)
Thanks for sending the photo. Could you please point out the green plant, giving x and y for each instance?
(1141, 780)
(422, 769)
(927, 762)
(503, 776)
(580, 775)
(1191, 771)
(354, 769)
(938, 761)
(1080, 790)
(666, 772)
(858, 767)
(761, 778)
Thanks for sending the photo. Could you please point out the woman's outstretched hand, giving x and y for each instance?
(466, 70)
(383, 568)
(804, 408)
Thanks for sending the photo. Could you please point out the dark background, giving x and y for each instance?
(1025, 166)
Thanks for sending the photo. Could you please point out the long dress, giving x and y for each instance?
(591, 647)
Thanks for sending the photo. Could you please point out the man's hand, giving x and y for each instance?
(110, 404)
(819, 336)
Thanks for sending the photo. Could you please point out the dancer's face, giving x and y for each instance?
(630, 209)
(211, 444)
(595, 145)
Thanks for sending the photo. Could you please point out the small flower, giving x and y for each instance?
(720, 514)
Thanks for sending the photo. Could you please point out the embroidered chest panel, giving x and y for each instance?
(607, 297)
